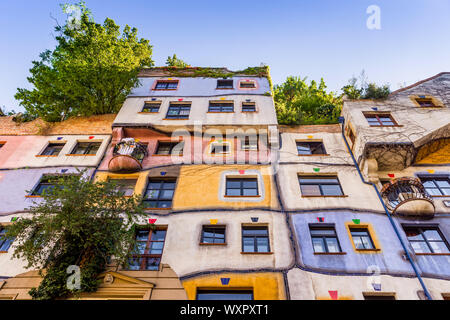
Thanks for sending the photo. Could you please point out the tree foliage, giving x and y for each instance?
(362, 89)
(78, 222)
(175, 62)
(91, 71)
(298, 102)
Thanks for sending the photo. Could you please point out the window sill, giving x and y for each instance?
(367, 250)
(325, 196)
(256, 252)
(144, 112)
(165, 89)
(329, 253)
(224, 88)
(167, 155)
(45, 156)
(30, 196)
(313, 155)
(432, 254)
(3, 251)
(220, 112)
(175, 119)
(80, 155)
(212, 244)
(441, 196)
(395, 126)
(242, 196)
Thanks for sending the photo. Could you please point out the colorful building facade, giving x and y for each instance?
(245, 208)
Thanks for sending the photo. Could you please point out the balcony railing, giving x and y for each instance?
(407, 196)
(127, 156)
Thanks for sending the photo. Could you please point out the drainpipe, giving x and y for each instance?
(425, 290)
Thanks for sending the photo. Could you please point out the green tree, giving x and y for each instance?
(362, 89)
(91, 71)
(175, 62)
(78, 222)
(298, 102)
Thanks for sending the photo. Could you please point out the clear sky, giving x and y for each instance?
(314, 39)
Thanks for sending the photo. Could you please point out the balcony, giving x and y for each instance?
(407, 196)
(127, 156)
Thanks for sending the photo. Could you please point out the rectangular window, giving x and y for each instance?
(224, 84)
(159, 193)
(378, 297)
(426, 102)
(361, 238)
(222, 106)
(151, 106)
(248, 107)
(224, 295)
(426, 239)
(148, 250)
(53, 149)
(166, 85)
(220, 148)
(90, 148)
(380, 119)
(255, 239)
(307, 148)
(165, 148)
(247, 84)
(436, 186)
(320, 186)
(242, 187)
(249, 143)
(4, 243)
(324, 239)
(46, 183)
(178, 111)
(213, 234)
(126, 186)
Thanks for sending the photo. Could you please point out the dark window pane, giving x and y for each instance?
(224, 295)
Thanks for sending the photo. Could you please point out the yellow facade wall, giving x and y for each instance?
(266, 286)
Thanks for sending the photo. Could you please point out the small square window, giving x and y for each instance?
(46, 183)
(437, 185)
(320, 186)
(248, 107)
(53, 149)
(361, 239)
(255, 239)
(426, 102)
(249, 143)
(324, 239)
(178, 111)
(221, 106)
(166, 85)
(148, 250)
(151, 106)
(159, 193)
(213, 235)
(247, 84)
(220, 148)
(242, 187)
(310, 148)
(224, 84)
(86, 148)
(380, 119)
(125, 186)
(167, 148)
(425, 239)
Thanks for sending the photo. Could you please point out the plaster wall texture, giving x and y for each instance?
(185, 255)
(264, 116)
(14, 183)
(310, 286)
(357, 195)
(24, 151)
(199, 86)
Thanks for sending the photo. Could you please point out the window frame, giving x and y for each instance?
(172, 144)
(241, 187)
(45, 177)
(323, 237)
(248, 147)
(318, 177)
(153, 104)
(52, 145)
(157, 82)
(222, 105)
(369, 235)
(126, 179)
(202, 237)
(179, 106)
(319, 144)
(377, 116)
(225, 292)
(433, 179)
(248, 103)
(215, 144)
(247, 81)
(8, 242)
(144, 256)
(422, 229)
(159, 199)
(255, 237)
(88, 148)
(225, 88)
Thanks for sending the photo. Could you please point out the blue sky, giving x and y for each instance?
(321, 38)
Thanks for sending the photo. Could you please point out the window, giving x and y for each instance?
(249, 143)
(126, 186)
(352, 136)
(361, 239)
(53, 149)
(255, 239)
(220, 148)
(224, 84)
(248, 107)
(242, 187)
(368, 296)
(46, 182)
(426, 102)
(426, 239)
(436, 186)
(149, 249)
(159, 193)
(247, 84)
(178, 111)
(309, 148)
(151, 106)
(166, 148)
(222, 106)
(86, 148)
(324, 239)
(166, 85)
(4, 243)
(380, 119)
(320, 186)
(213, 234)
(224, 295)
